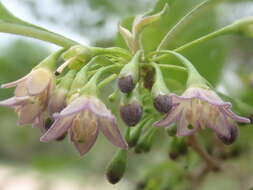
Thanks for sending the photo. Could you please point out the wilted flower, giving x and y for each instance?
(199, 108)
(31, 95)
(83, 118)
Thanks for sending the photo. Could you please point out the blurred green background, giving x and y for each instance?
(227, 62)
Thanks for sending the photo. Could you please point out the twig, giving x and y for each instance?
(210, 162)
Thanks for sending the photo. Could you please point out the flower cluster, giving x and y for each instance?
(41, 97)
(70, 100)
(66, 99)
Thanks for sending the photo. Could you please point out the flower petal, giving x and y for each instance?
(57, 101)
(59, 127)
(112, 132)
(38, 81)
(14, 83)
(15, 101)
(170, 118)
(83, 135)
(234, 116)
(28, 113)
(202, 94)
(74, 107)
(21, 90)
(182, 126)
(99, 108)
(220, 125)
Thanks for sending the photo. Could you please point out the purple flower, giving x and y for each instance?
(82, 119)
(198, 108)
(31, 95)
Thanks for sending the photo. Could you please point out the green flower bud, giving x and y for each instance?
(117, 167)
(77, 56)
(146, 141)
(172, 131)
(129, 75)
(178, 147)
(58, 99)
(83, 52)
(135, 133)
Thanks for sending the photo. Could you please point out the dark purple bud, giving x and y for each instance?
(230, 139)
(131, 113)
(163, 103)
(126, 84)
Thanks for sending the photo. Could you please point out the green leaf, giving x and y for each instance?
(14, 25)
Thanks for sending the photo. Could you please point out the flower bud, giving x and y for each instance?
(58, 99)
(146, 141)
(230, 139)
(131, 113)
(81, 51)
(172, 131)
(126, 84)
(117, 167)
(135, 133)
(178, 147)
(129, 75)
(76, 56)
(163, 103)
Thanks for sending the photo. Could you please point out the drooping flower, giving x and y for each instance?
(198, 108)
(31, 95)
(83, 118)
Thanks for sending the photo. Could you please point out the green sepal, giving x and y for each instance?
(50, 62)
(132, 68)
(67, 80)
(159, 87)
(91, 87)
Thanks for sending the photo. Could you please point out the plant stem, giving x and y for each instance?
(43, 35)
(210, 162)
(226, 30)
(175, 67)
(107, 81)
